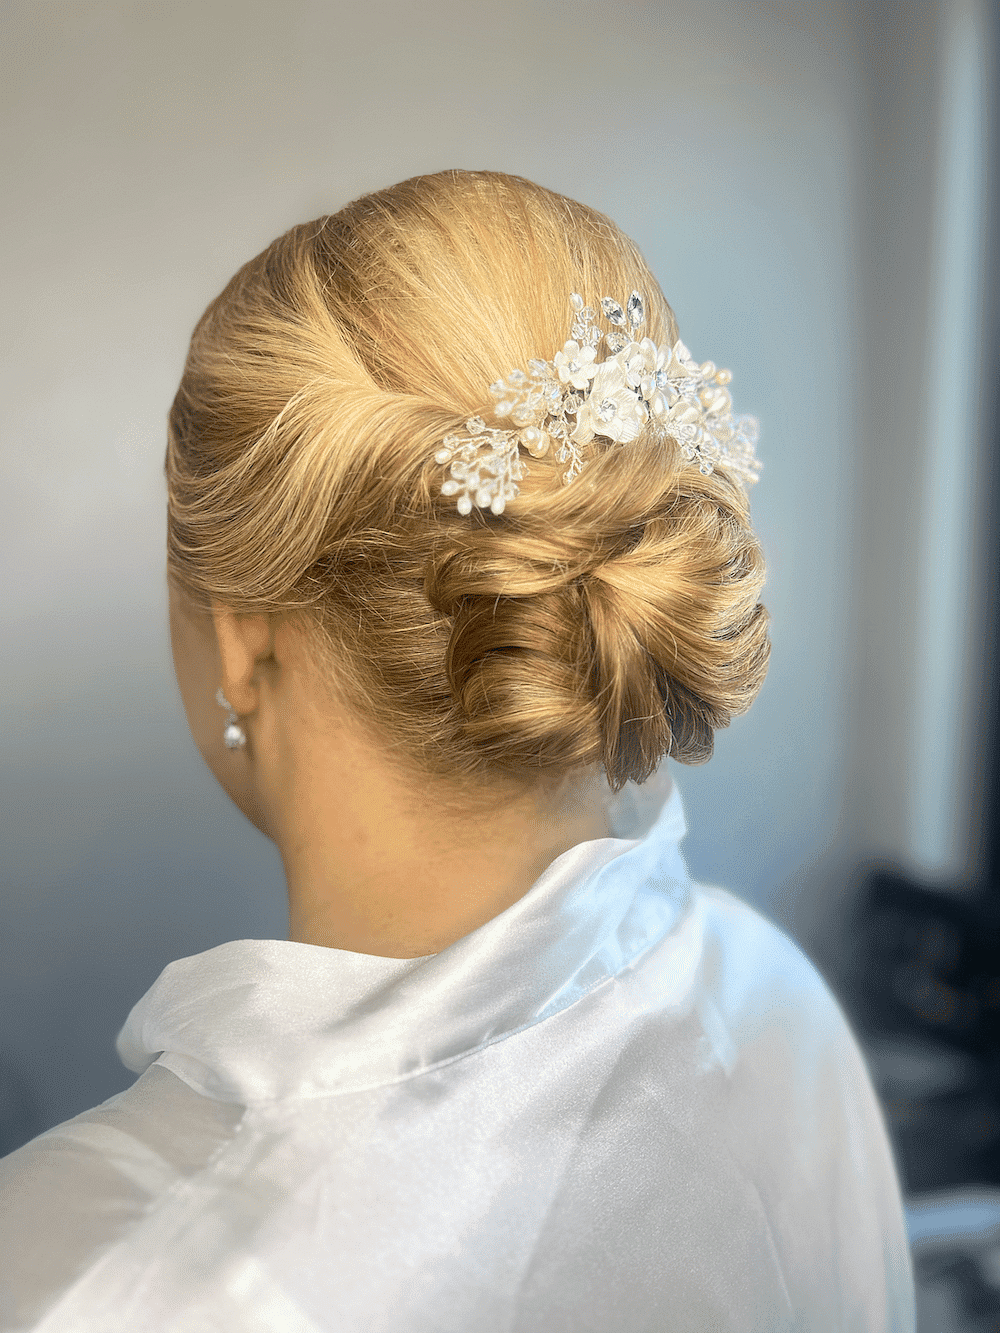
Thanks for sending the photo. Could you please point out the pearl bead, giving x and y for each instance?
(535, 441)
(234, 737)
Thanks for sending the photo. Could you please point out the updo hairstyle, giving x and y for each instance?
(608, 622)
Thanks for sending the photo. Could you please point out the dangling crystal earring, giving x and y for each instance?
(234, 735)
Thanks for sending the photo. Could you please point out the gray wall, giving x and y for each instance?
(149, 150)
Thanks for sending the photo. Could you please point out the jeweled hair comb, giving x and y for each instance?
(569, 400)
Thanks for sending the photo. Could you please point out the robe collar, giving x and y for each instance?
(257, 1021)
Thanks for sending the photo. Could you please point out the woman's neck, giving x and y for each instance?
(375, 866)
(368, 873)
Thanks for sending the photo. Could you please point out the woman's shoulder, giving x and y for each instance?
(760, 955)
(770, 1010)
(72, 1192)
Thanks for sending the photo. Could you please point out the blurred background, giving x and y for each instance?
(812, 184)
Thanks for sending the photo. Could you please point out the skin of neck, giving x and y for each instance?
(374, 863)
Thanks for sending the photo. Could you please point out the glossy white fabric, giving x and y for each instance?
(627, 1103)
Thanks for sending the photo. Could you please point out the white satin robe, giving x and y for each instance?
(629, 1103)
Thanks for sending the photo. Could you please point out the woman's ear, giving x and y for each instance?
(245, 642)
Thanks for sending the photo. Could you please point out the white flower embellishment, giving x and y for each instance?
(575, 364)
(567, 402)
(613, 408)
(646, 371)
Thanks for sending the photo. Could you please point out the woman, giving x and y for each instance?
(512, 1070)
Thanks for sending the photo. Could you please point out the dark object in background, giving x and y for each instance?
(922, 987)
(20, 1119)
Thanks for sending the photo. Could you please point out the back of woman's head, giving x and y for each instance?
(610, 621)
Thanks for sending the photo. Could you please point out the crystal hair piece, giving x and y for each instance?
(576, 396)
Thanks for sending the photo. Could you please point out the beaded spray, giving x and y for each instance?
(575, 396)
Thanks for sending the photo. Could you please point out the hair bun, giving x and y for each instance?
(612, 627)
(608, 622)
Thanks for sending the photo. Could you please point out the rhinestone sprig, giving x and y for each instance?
(574, 397)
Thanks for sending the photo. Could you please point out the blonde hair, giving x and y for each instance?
(612, 621)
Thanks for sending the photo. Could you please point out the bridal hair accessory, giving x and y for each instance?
(575, 396)
(234, 735)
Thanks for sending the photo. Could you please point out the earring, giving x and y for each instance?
(234, 735)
